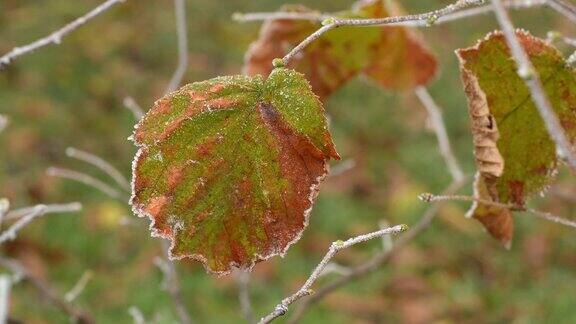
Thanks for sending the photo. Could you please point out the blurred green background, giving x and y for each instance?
(71, 95)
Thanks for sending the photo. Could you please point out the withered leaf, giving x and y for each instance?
(516, 157)
(228, 169)
(394, 57)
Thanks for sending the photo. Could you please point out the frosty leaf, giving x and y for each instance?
(516, 157)
(228, 168)
(394, 57)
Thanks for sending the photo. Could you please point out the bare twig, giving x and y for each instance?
(435, 115)
(342, 167)
(532, 80)
(134, 107)
(243, 280)
(450, 17)
(334, 267)
(380, 259)
(258, 16)
(33, 213)
(180, 11)
(75, 313)
(566, 9)
(305, 290)
(136, 315)
(3, 122)
(101, 164)
(79, 286)
(387, 242)
(425, 19)
(4, 208)
(171, 283)
(87, 180)
(5, 287)
(56, 37)
(545, 215)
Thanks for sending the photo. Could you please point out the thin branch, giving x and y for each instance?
(258, 16)
(75, 313)
(101, 164)
(305, 290)
(427, 197)
(79, 286)
(134, 107)
(182, 33)
(3, 122)
(87, 180)
(435, 115)
(425, 19)
(380, 259)
(56, 37)
(33, 213)
(450, 17)
(4, 208)
(243, 281)
(136, 315)
(171, 283)
(532, 80)
(334, 267)
(5, 287)
(564, 8)
(342, 167)
(387, 242)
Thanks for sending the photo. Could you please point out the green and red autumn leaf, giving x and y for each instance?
(228, 169)
(515, 155)
(394, 57)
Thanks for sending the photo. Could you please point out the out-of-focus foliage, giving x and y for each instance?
(71, 95)
(394, 57)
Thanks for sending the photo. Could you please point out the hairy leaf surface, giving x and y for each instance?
(516, 157)
(228, 169)
(393, 57)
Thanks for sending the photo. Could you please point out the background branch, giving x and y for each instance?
(435, 115)
(305, 289)
(75, 313)
(380, 259)
(30, 214)
(56, 37)
(182, 34)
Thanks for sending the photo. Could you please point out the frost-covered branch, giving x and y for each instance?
(134, 107)
(5, 287)
(27, 215)
(87, 180)
(450, 17)
(56, 37)
(532, 80)
(380, 259)
(79, 287)
(101, 164)
(424, 19)
(136, 314)
(171, 283)
(566, 9)
(243, 280)
(75, 313)
(437, 122)
(337, 246)
(427, 197)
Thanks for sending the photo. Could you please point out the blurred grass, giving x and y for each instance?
(71, 95)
